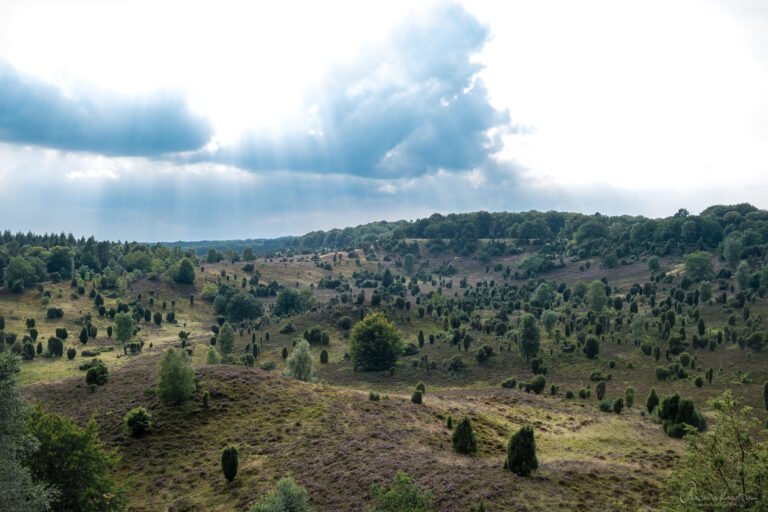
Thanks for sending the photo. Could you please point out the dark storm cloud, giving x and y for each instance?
(404, 110)
(33, 112)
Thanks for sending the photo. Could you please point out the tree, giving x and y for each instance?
(124, 326)
(732, 248)
(226, 338)
(404, 495)
(705, 291)
(629, 397)
(212, 356)
(743, 275)
(652, 401)
(729, 462)
(698, 266)
(97, 374)
(292, 302)
(19, 490)
(679, 416)
(653, 263)
(637, 326)
(288, 496)
(185, 274)
(542, 296)
(529, 337)
(177, 379)
(549, 320)
(138, 421)
(521, 452)
(408, 263)
(75, 461)
(376, 342)
(300, 362)
(229, 462)
(243, 306)
(464, 439)
(19, 273)
(591, 347)
(596, 297)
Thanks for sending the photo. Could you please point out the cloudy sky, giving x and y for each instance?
(168, 120)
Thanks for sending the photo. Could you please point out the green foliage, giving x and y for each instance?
(288, 496)
(177, 379)
(97, 375)
(185, 273)
(124, 326)
(596, 297)
(300, 362)
(629, 397)
(529, 338)
(698, 266)
(725, 468)
(678, 415)
(538, 384)
(652, 401)
(591, 347)
(376, 342)
(243, 306)
(417, 396)
(618, 405)
(212, 356)
(138, 421)
(404, 495)
(464, 439)
(229, 462)
(521, 452)
(226, 338)
(292, 302)
(549, 320)
(75, 461)
(19, 492)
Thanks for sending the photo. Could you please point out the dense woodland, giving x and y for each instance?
(489, 340)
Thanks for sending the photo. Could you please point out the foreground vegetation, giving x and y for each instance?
(409, 363)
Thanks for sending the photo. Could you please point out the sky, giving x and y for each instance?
(189, 120)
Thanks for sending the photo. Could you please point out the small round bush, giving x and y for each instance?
(606, 405)
(139, 421)
(416, 397)
(510, 383)
(324, 356)
(71, 353)
(97, 375)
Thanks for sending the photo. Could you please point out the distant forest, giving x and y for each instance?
(733, 232)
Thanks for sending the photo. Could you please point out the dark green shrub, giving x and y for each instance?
(509, 383)
(97, 374)
(464, 439)
(139, 421)
(324, 356)
(600, 390)
(416, 397)
(677, 414)
(538, 384)
(422, 387)
(374, 397)
(521, 452)
(652, 401)
(229, 462)
(71, 353)
(618, 405)
(699, 381)
(605, 405)
(591, 347)
(56, 347)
